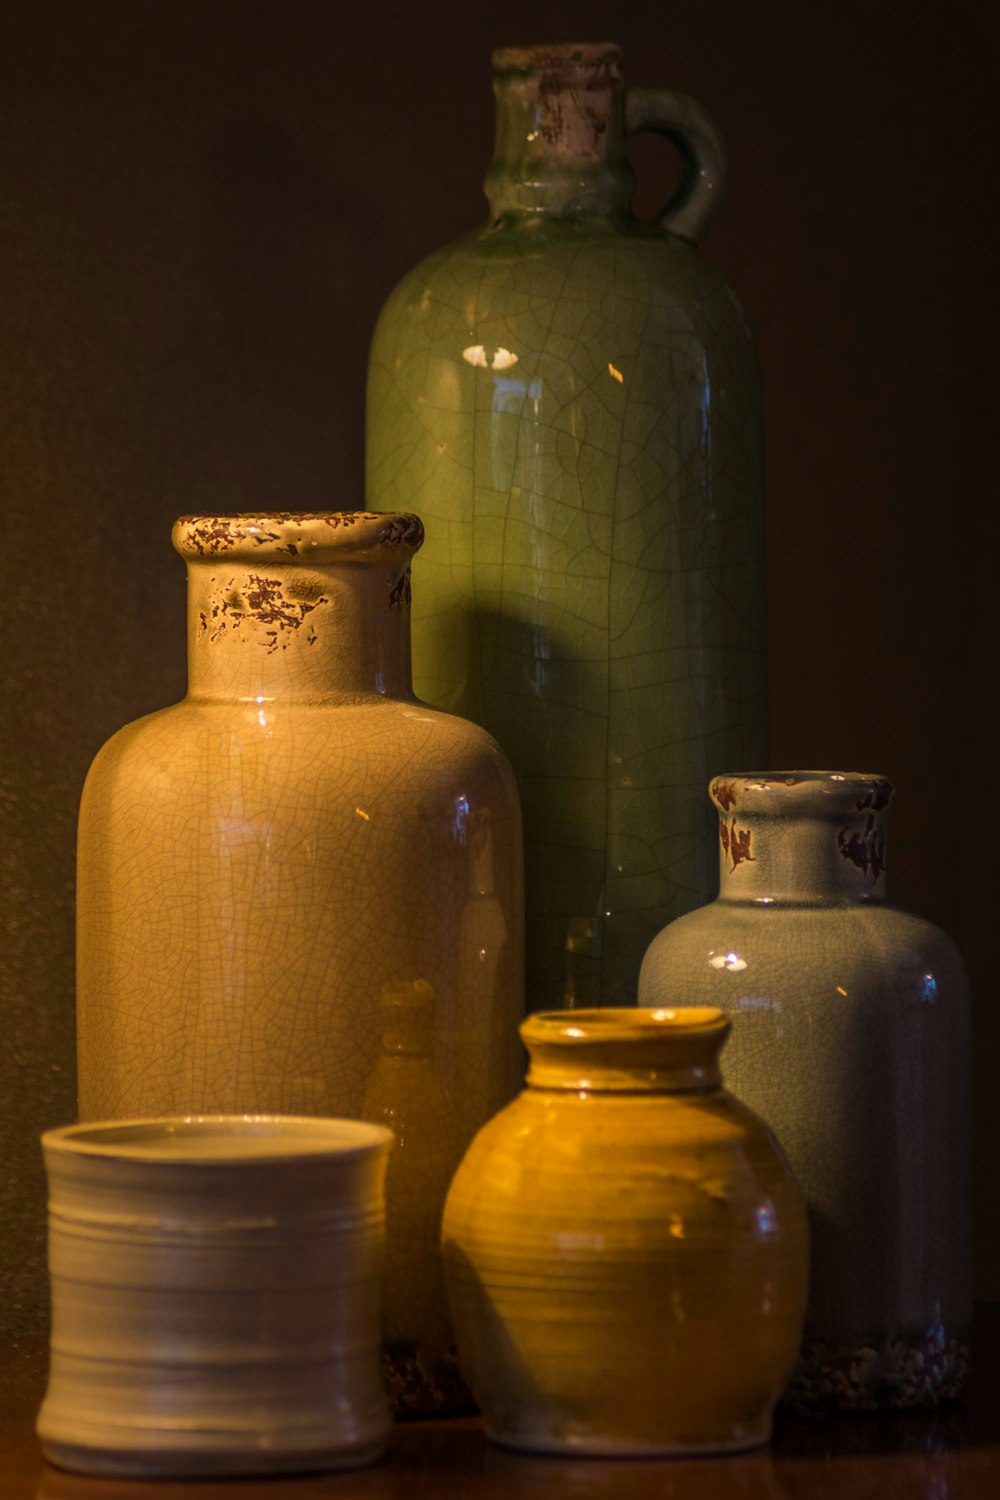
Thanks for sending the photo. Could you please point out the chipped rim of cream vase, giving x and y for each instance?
(155, 1374)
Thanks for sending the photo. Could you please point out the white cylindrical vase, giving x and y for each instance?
(215, 1295)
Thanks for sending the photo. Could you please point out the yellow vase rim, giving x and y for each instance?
(622, 1023)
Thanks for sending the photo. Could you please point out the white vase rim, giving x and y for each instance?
(225, 1141)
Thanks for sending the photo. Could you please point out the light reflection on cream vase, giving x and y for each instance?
(260, 863)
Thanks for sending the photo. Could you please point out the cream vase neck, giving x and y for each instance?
(306, 605)
(809, 837)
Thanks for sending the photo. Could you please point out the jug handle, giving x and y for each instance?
(702, 150)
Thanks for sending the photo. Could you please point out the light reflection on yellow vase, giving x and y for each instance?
(625, 1247)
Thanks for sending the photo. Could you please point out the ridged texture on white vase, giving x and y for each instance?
(215, 1296)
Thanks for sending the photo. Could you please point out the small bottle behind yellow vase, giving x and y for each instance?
(408, 1092)
(625, 1248)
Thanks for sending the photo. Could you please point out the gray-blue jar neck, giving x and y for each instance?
(802, 836)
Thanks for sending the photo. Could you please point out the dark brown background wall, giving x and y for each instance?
(202, 206)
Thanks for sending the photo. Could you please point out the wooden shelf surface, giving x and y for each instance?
(952, 1454)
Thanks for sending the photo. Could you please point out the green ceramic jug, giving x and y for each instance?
(569, 398)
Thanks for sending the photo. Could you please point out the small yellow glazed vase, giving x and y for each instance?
(626, 1250)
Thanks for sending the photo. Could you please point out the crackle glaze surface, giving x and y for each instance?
(569, 397)
(625, 1248)
(215, 1296)
(261, 865)
(851, 1038)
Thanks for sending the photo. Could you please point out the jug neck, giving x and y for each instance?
(811, 837)
(560, 133)
(407, 1018)
(627, 1050)
(298, 605)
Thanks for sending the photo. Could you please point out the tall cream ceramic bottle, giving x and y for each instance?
(261, 862)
